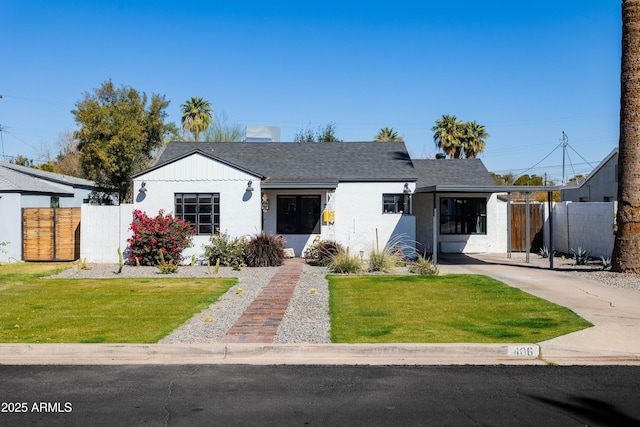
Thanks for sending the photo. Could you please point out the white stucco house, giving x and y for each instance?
(24, 187)
(360, 194)
(357, 193)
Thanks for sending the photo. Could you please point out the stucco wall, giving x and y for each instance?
(11, 227)
(359, 215)
(586, 225)
(102, 230)
(601, 186)
(495, 240)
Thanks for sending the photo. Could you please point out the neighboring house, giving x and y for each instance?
(468, 215)
(601, 185)
(24, 187)
(357, 193)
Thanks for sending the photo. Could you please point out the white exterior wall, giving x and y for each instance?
(240, 213)
(104, 229)
(587, 225)
(494, 241)
(10, 227)
(298, 242)
(358, 215)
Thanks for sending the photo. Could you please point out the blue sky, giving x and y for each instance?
(526, 70)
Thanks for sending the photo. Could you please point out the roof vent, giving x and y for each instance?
(441, 156)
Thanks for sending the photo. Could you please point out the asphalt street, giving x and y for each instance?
(248, 395)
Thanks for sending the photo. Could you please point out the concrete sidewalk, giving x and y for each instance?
(615, 338)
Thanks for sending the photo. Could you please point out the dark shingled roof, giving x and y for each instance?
(287, 162)
(460, 172)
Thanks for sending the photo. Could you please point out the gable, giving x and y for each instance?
(196, 167)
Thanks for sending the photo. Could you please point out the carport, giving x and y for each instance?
(509, 189)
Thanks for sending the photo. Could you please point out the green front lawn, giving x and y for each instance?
(38, 310)
(455, 308)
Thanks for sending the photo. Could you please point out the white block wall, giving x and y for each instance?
(104, 229)
(586, 225)
(358, 216)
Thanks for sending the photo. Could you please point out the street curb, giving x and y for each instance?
(270, 354)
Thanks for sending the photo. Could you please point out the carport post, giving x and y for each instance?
(527, 231)
(434, 225)
(509, 224)
(550, 203)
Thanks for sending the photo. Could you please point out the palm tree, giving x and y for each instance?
(626, 250)
(388, 135)
(473, 139)
(196, 116)
(447, 135)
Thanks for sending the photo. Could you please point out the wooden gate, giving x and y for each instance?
(50, 234)
(519, 228)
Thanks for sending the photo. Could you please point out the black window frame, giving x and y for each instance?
(293, 215)
(463, 215)
(401, 203)
(202, 215)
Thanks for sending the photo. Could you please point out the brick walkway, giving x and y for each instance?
(260, 321)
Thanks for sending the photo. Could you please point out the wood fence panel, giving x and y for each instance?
(50, 234)
(519, 227)
(67, 237)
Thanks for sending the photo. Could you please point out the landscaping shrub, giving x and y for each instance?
(344, 262)
(166, 267)
(321, 253)
(226, 251)
(383, 261)
(580, 256)
(264, 250)
(150, 235)
(423, 267)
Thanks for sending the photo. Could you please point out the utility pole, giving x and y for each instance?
(565, 141)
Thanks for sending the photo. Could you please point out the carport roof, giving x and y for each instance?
(486, 188)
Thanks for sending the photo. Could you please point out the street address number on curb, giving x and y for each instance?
(523, 350)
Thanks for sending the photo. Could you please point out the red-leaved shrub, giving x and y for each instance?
(162, 233)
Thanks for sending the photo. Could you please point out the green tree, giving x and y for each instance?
(457, 138)
(626, 249)
(325, 133)
(529, 180)
(447, 135)
(506, 179)
(473, 139)
(196, 116)
(118, 135)
(388, 135)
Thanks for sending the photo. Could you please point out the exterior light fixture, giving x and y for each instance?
(249, 187)
(406, 188)
(265, 203)
(143, 188)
